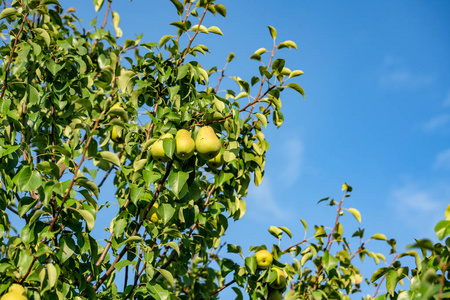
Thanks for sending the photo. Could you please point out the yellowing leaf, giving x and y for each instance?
(355, 213)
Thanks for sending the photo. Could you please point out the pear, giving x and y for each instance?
(280, 281)
(275, 295)
(207, 144)
(216, 162)
(116, 134)
(152, 214)
(157, 149)
(184, 144)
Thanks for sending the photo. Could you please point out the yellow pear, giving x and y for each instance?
(264, 259)
(207, 143)
(152, 214)
(185, 145)
(157, 149)
(13, 296)
(116, 134)
(16, 288)
(216, 162)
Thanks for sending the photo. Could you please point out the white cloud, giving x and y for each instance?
(437, 122)
(447, 100)
(293, 156)
(395, 75)
(263, 203)
(420, 208)
(443, 160)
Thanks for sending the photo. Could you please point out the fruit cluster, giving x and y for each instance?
(264, 260)
(207, 144)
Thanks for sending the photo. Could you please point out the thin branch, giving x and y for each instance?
(106, 15)
(135, 231)
(222, 288)
(5, 83)
(193, 37)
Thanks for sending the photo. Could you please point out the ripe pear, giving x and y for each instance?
(216, 162)
(13, 296)
(16, 288)
(152, 214)
(207, 143)
(157, 150)
(116, 134)
(184, 144)
(264, 259)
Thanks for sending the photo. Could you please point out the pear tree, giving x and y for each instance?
(82, 112)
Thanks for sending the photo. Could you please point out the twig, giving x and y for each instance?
(5, 83)
(222, 288)
(106, 14)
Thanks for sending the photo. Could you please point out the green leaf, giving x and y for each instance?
(157, 292)
(329, 261)
(67, 246)
(305, 258)
(166, 211)
(88, 218)
(177, 182)
(222, 177)
(273, 32)
(447, 212)
(48, 2)
(379, 236)
(355, 213)
(109, 156)
(287, 44)
(230, 57)
(43, 34)
(304, 225)
(378, 274)
(98, 4)
(167, 275)
(124, 263)
(250, 264)
(88, 184)
(262, 118)
(215, 29)
(116, 21)
(296, 73)
(442, 229)
(25, 205)
(174, 246)
(169, 146)
(179, 6)
(7, 12)
(221, 10)
(28, 180)
(164, 40)
(296, 87)
(275, 231)
(391, 281)
(52, 275)
(288, 232)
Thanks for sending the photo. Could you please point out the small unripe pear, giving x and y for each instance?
(216, 162)
(207, 143)
(16, 288)
(275, 295)
(157, 149)
(118, 110)
(184, 144)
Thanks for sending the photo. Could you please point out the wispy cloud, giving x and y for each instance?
(293, 156)
(420, 208)
(396, 75)
(264, 202)
(443, 160)
(436, 122)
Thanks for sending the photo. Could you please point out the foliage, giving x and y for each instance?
(80, 112)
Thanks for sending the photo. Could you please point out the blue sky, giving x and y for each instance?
(376, 114)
